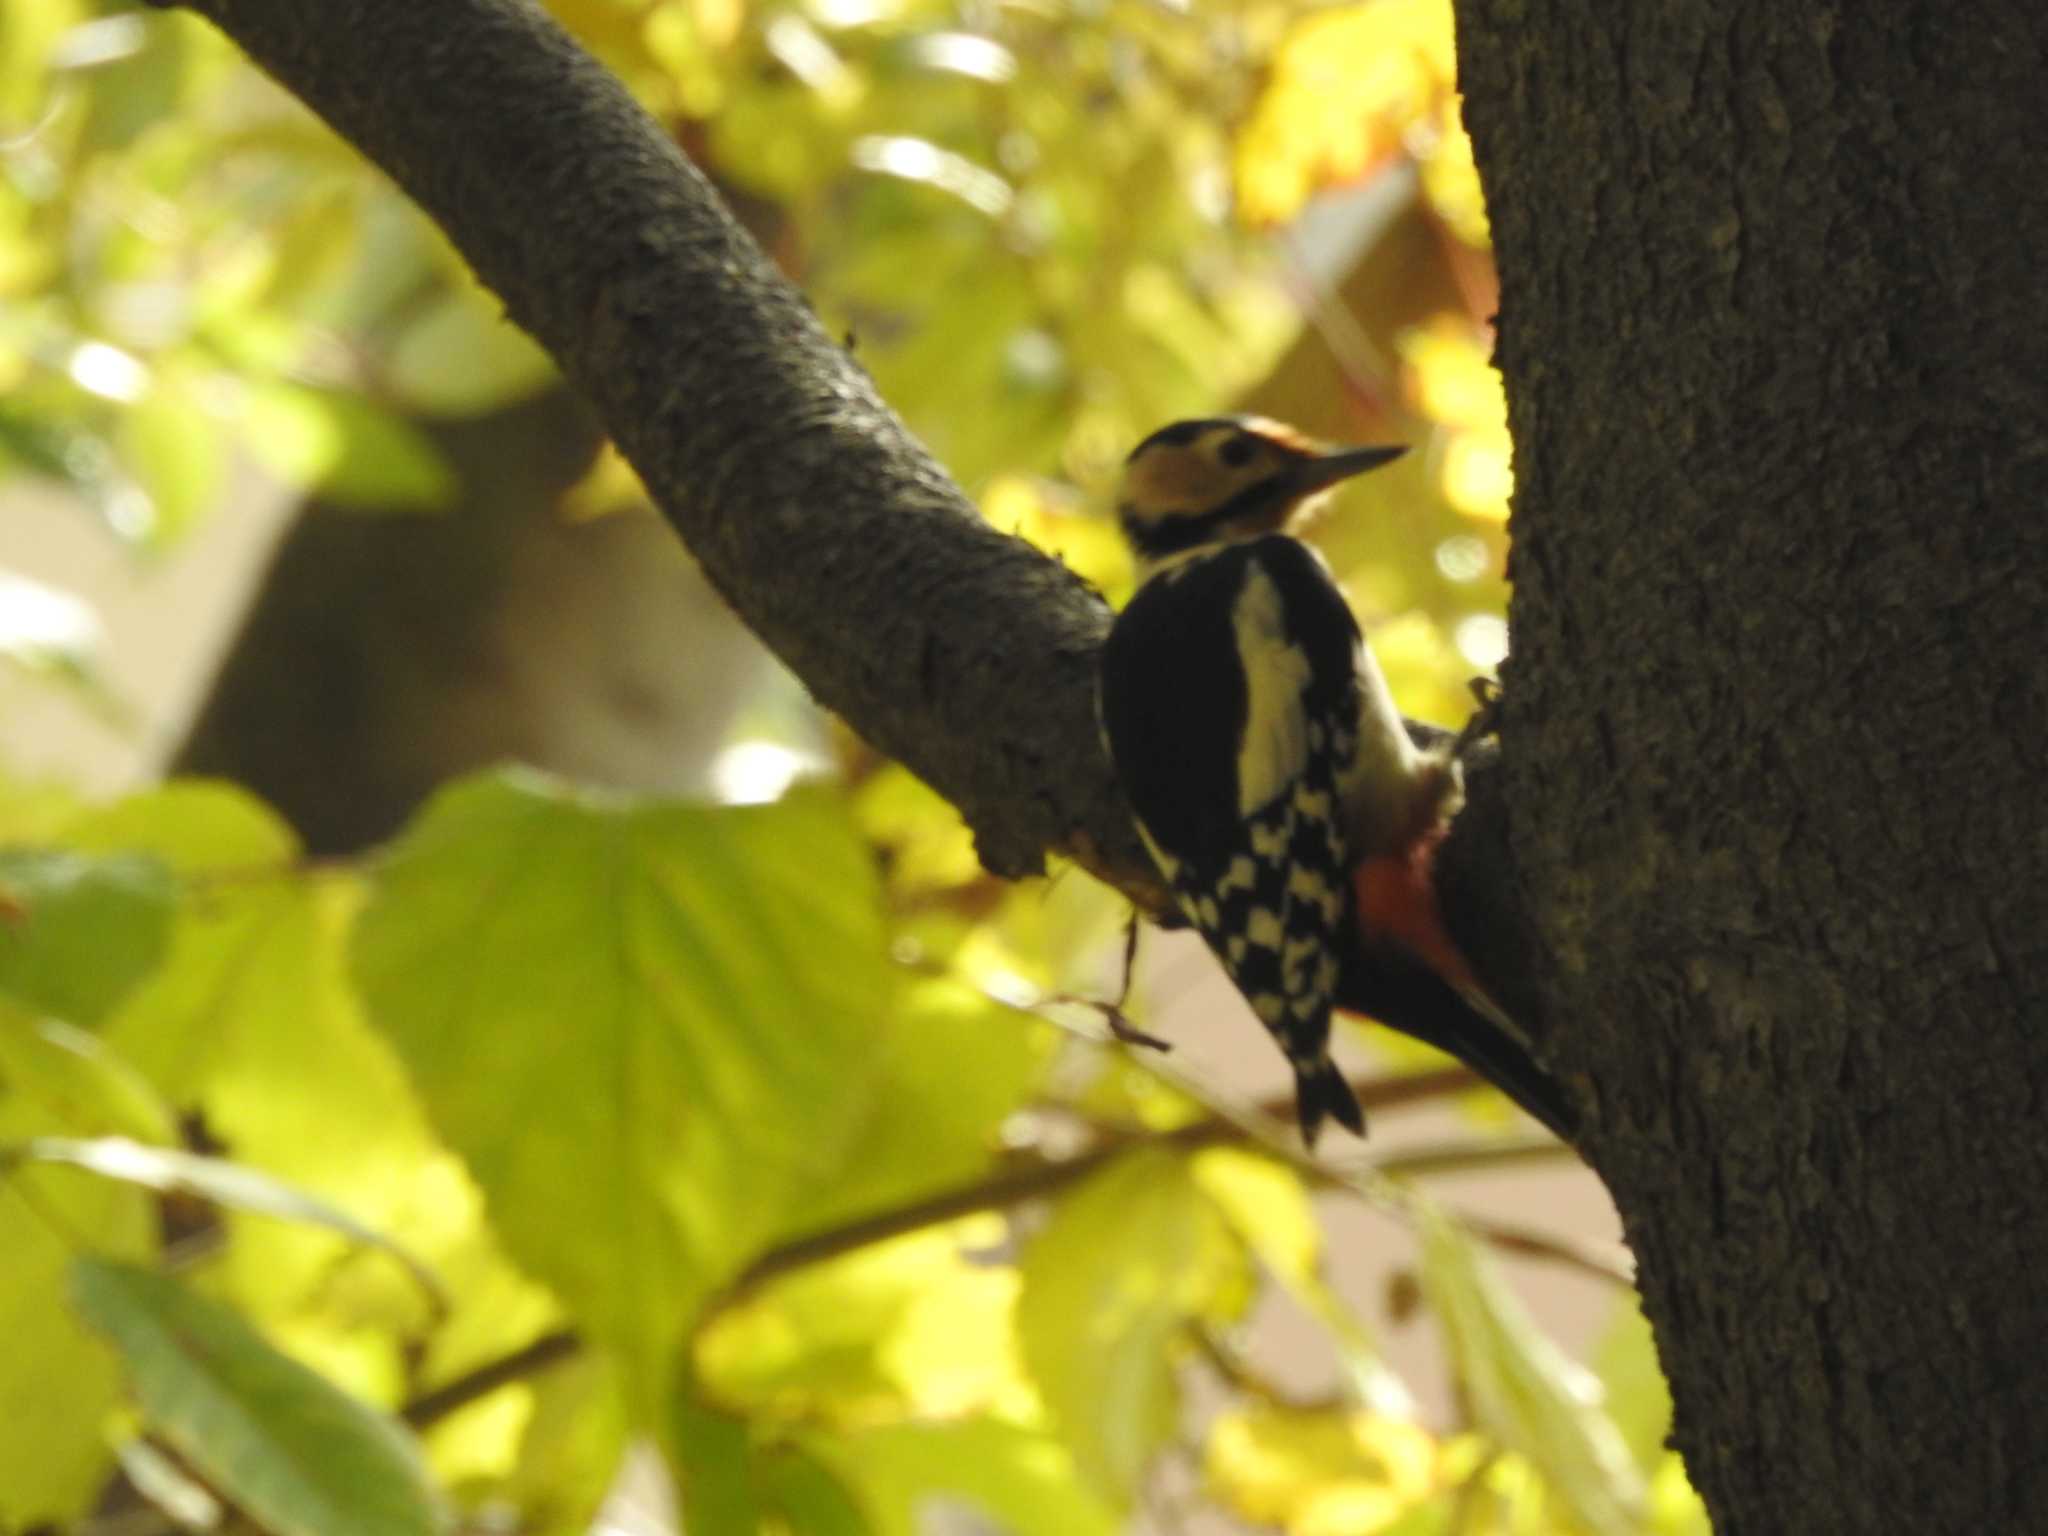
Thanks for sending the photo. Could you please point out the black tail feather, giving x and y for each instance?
(1405, 995)
(1322, 1090)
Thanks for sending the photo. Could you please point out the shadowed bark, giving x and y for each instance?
(1777, 722)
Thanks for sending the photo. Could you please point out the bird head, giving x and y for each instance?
(1224, 478)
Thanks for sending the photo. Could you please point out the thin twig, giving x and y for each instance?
(429, 1408)
(1004, 1192)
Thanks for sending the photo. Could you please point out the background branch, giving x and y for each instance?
(1009, 1189)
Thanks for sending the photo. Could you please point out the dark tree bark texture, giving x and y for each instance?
(1773, 328)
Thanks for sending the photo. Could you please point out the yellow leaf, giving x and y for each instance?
(1348, 87)
(1318, 1473)
(1450, 179)
(1087, 544)
(609, 485)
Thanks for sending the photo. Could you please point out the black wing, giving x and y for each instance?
(1228, 696)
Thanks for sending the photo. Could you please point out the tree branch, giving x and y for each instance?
(961, 651)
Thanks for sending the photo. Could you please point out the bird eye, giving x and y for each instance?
(1238, 451)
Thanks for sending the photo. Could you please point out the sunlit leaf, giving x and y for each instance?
(344, 446)
(58, 1382)
(1267, 1205)
(462, 357)
(177, 452)
(75, 1081)
(567, 1457)
(221, 1182)
(648, 1028)
(1319, 1473)
(1109, 1285)
(300, 1456)
(1344, 86)
(907, 1327)
(909, 1475)
(1632, 1383)
(1080, 538)
(251, 1022)
(1675, 1508)
(1523, 1390)
(80, 931)
(610, 485)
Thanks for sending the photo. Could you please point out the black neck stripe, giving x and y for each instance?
(1181, 433)
(1170, 535)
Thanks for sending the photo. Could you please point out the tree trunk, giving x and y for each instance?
(1772, 325)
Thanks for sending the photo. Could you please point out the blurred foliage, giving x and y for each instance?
(408, 1192)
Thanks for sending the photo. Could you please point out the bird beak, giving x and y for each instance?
(1326, 469)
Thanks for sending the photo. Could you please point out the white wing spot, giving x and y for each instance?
(1306, 883)
(1312, 803)
(1263, 928)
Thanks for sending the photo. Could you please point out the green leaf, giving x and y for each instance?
(712, 1459)
(346, 447)
(57, 1382)
(568, 1454)
(1267, 1206)
(649, 1029)
(177, 452)
(278, 1440)
(1314, 1470)
(87, 928)
(1524, 1392)
(1633, 1385)
(804, 1497)
(907, 1327)
(195, 826)
(224, 1184)
(251, 1022)
(76, 1082)
(950, 1065)
(1123, 1264)
(462, 357)
(1016, 1479)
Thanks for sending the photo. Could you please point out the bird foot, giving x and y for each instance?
(1113, 1011)
(1128, 1032)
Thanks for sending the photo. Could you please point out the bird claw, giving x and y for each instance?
(1113, 1013)
(1130, 1034)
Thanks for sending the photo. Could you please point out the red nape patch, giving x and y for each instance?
(1397, 903)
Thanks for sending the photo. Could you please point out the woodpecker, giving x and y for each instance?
(1272, 779)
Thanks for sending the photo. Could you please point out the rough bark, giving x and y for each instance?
(1777, 723)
